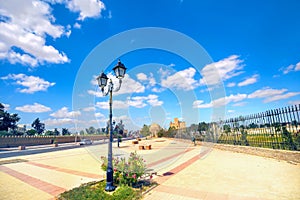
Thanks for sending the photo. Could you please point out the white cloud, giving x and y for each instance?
(150, 80)
(290, 68)
(281, 96)
(128, 86)
(89, 109)
(239, 104)
(222, 70)
(99, 115)
(32, 84)
(269, 94)
(266, 92)
(141, 76)
(181, 80)
(249, 81)
(59, 122)
(77, 25)
(116, 104)
(35, 108)
(26, 28)
(297, 68)
(201, 104)
(231, 84)
(220, 102)
(153, 100)
(6, 106)
(24, 32)
(64, 113)
(296, 102)
(141, 101)
(158, 90)
(86, 8)
(137, 102)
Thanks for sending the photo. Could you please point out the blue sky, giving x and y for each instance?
(195, 60)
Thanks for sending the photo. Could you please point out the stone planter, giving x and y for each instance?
(148, 147)
(141, 147)
(21, 147)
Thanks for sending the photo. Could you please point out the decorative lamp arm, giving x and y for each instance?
(119, 87)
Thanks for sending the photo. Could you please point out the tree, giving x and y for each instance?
(31, 132)
(202, 127)
(193, 127)
(119, 128)
(7, 120)
(253, 125)
(90, 130)
(49, 132)
(56, 132)
(226, 128)
(81, 132)
(171, 132)
(38, 126)
(161, 133)
(145, 130)
(65, 131)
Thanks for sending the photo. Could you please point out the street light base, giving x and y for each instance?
(109, 187)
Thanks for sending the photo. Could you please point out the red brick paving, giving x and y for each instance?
(55, 190)
(69, 171)
(168, 158)
(37, 183)
(177, 169)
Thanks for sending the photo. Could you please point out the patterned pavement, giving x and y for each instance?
(184, 172)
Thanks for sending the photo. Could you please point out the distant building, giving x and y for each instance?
(154, 129)
(177, 124)
(21, 128)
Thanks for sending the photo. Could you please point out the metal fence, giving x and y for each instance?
(277, 129)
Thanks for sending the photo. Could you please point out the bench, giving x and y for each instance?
(143, 147)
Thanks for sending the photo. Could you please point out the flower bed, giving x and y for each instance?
(127, 172)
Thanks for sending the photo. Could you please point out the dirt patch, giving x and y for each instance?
(292, 157)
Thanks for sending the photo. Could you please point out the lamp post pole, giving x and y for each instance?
(120, 70)
(110, 172)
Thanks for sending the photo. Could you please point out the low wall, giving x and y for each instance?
(14, 141)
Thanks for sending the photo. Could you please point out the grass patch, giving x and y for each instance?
(4, 162)
(96, 191)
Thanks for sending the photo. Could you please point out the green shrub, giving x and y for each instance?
(126, 172)
(126, 193)
(95, 191)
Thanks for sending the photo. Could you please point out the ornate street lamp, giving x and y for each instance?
(102, 79)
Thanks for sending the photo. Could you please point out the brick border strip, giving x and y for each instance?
(36, 183)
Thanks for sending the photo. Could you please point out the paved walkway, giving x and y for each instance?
(184, 172)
